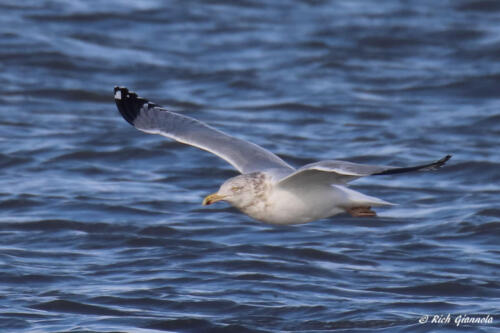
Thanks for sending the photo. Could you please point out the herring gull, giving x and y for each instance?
(268, 189)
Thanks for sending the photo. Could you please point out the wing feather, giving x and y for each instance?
(148, 117)
(342, 172)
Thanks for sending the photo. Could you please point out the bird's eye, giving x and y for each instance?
(236, 188)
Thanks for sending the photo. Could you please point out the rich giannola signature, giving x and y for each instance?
(457, 320)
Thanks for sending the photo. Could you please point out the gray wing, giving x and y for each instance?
(148, 117)
(342, 172)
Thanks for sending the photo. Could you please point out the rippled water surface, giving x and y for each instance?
(102, 227)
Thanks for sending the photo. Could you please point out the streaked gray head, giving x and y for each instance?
(239, 191)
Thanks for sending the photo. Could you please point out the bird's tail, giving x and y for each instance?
(357, 199)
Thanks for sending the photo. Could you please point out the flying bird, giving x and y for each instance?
(268, 189)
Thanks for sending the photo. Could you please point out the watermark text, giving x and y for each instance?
(457, 320)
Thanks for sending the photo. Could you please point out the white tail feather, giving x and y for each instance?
(355, 199)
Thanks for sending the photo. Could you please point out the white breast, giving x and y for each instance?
(285, 207)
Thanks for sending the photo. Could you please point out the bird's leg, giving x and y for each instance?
(361, 211)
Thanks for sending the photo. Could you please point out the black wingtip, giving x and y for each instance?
(426, 167)
(129, 104)
(442, 161)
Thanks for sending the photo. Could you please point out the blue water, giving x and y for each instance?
(102, 227)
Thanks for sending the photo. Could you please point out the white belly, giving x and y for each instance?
(285, 207)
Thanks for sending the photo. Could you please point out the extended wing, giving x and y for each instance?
(148, 117)
(342, 172)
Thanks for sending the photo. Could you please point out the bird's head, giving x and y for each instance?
(238, 191)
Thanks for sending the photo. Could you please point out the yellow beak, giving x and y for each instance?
(210, 199)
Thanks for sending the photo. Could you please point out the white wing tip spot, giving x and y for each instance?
(118, 95)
